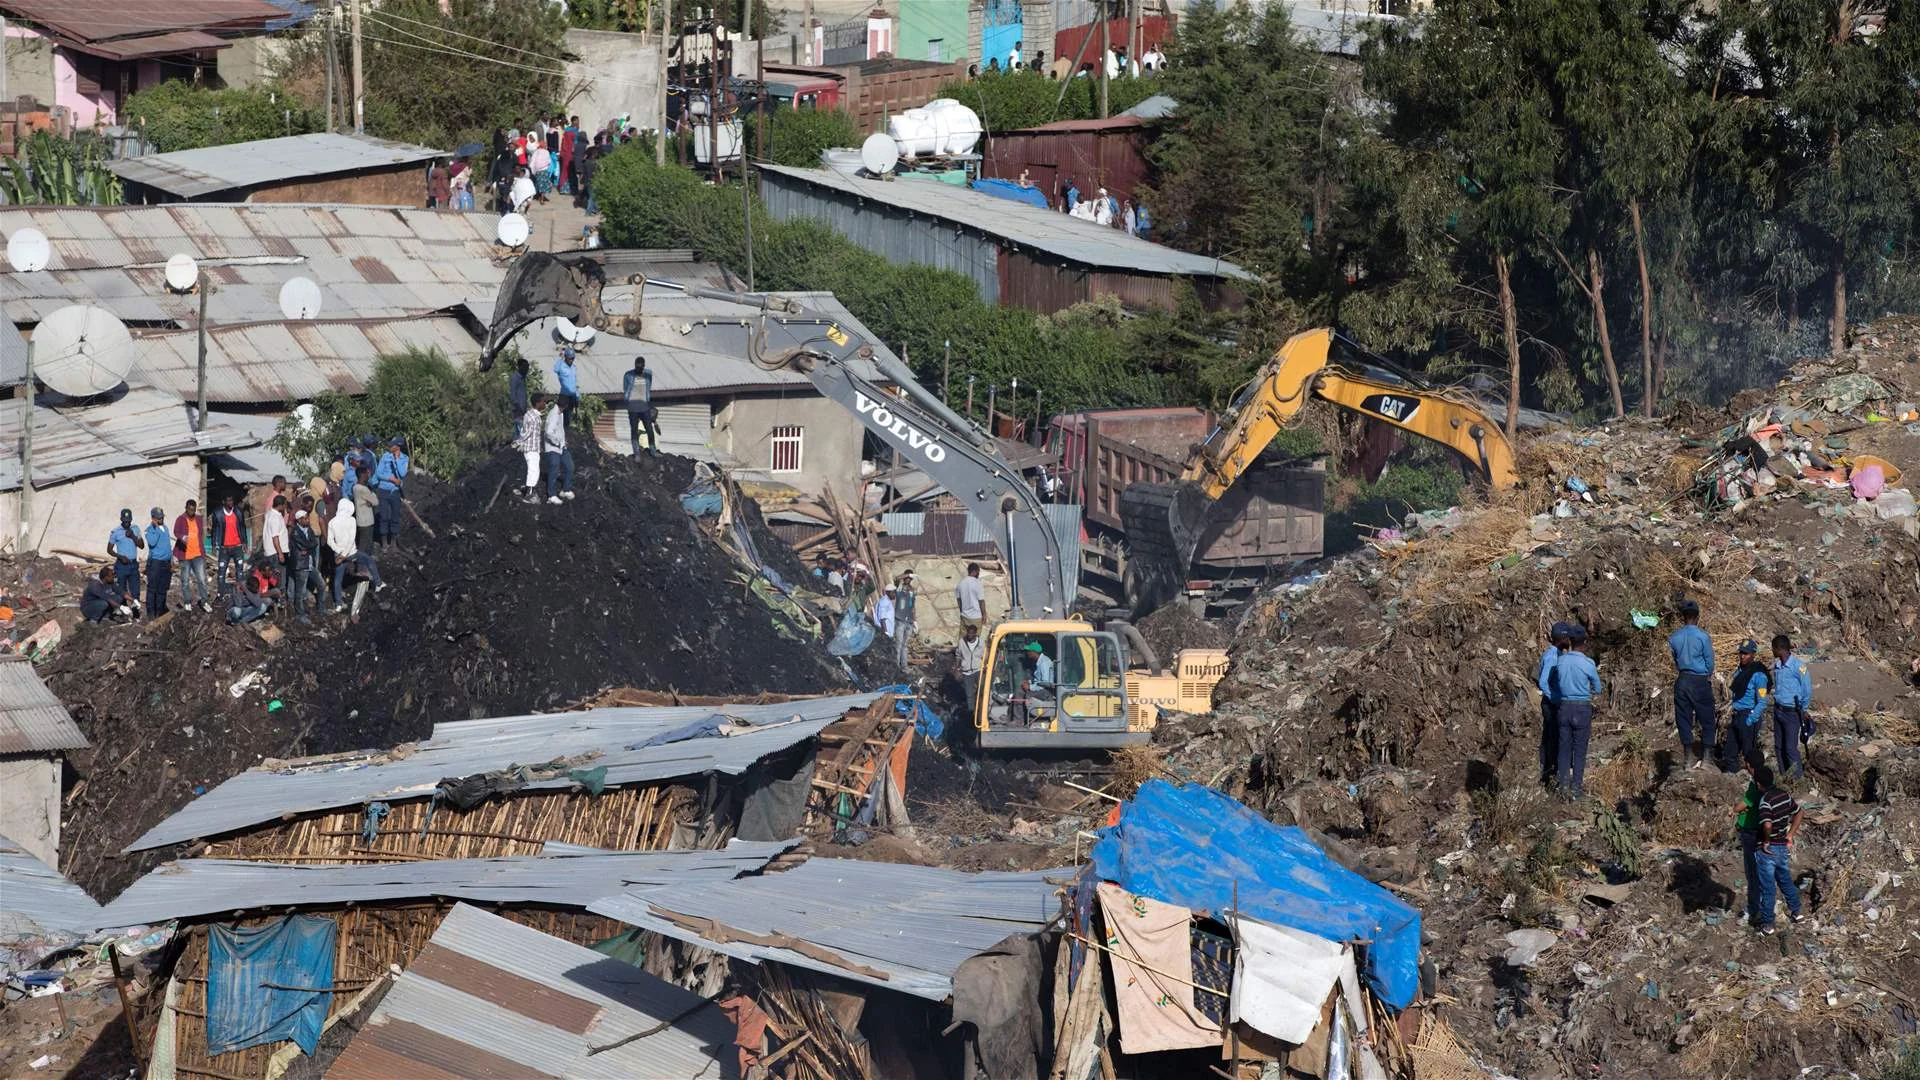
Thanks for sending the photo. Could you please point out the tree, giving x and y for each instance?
(797, 136)
(180, 115)
(441, 80)
(452, 416)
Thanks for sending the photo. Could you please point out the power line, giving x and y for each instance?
(372, 12)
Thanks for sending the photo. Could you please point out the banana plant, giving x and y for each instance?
(61, 172)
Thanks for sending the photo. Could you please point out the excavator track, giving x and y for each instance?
(1163, 524)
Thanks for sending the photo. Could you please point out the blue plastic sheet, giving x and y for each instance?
(695, 729)
(245, 963)
(925, 720)
(1191, 845)
(854, 636)
(1008, 189)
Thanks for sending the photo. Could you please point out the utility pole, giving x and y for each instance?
(760, 76)
(746, 212)
(1136, 27)
(660, 142)
(359, 83)
(1106, 56)
(946, 373)
(970, 379)
(333, 60)
(200, 327)
(26, 459)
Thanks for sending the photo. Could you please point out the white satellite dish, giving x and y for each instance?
(572, 333)
(513, 230)
(879, 154)
(300, 298)
(304, 415)
(28, 250)
(81, 350)
(182, 272)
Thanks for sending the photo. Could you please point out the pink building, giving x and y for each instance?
(87, 56)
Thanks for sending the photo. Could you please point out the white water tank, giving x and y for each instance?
(957, 128)
(913, 130)
(841, 159)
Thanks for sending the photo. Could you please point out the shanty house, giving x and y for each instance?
(35, 734)
(1108, 153)
(1015, 254)
(86, 57)
(333, 167)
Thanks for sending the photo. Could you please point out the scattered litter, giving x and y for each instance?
(1527, 945)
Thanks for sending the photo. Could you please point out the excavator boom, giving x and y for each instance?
(1164, 521)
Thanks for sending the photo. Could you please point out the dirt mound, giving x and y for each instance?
(1175, 627)
(1391, 704)
(511, 608)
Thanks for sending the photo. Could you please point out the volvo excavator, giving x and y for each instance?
(1098, 687)
(1164, 521)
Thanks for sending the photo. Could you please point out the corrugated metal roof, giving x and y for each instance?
(194, 887)
(141, 427)
(138, 48)
(96, 20)
(465, 747)
(263, 363)
(1027, 226)
(253, 464)
(13, 354)
(31, 892)
(32, 720)
(491, 997)
(1334, 30)
(913, 924)
(209, 170)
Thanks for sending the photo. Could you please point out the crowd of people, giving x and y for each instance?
(1117, 63)
(551, 156)
(1779, 691)
(307, 539)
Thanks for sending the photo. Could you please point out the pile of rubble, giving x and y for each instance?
(1390, 702)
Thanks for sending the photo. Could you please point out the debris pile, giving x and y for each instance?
(1392, 703)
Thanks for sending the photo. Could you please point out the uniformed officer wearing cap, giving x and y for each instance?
(1693, 708)
(1749, 688)
(1549, 719)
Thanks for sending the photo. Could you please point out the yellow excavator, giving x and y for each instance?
(1164, 521)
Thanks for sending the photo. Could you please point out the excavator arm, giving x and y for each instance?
(1164, 521)
(780, 336)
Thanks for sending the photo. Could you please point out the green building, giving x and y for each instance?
(934, 30)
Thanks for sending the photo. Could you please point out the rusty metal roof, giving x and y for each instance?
(261, 363)
(32, 720)
(86, 21)
(490, 997)
(210, 170)
(140, 427)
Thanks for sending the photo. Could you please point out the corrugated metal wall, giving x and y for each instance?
(892, 234)
(1114, 159)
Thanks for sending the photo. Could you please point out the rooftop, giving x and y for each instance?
(618, 738)
(209, 170)
(125, 29)
(34, 895)
(32, 720)
(905, 928)
(489, 997)
(140, 427)
(195, 887)
(1025, 226)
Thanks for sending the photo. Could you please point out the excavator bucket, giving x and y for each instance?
(1163, 523)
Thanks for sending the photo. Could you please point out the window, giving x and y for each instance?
(786, 448)
(934, 46)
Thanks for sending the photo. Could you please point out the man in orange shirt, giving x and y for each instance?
(190, 555)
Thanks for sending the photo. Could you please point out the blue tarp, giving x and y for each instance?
(1007, 189)
(1190, 845)
(924, 720)
(242, 1009)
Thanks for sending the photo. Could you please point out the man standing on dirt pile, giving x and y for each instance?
(190, 541)
(1749, 691)
(1549, 720)
(971, 596)
(638, 388)
(904, 600)
(124, 544)
(1576, 682)
(559, 459)
(342, 540)
(159, 545)
(1779, 820)
(1693, 706)
(1747, 824)
(968, 654)
(388, 479)
(231, 538)
(568, 378)
(527, 441)
(883, 611)
(1792, 695)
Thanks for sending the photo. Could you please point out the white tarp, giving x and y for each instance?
(1284, 976)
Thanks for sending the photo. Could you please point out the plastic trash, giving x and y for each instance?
(1644, 620)
(1577, 485)
(854, 636)
(1868, 482)
(1527, 945)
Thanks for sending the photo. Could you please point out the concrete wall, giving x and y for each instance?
(937, 612)
(30, 805)
(922, 21)
(77, 517)
(619, 74)
(29, 65)
(250, 61)
(831, 440)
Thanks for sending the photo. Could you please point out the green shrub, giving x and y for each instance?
(178, 115)
(796, 136)
(451, 416)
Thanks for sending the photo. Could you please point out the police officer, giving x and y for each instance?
(1549, 721)
(1693, 708)
(1576, 683)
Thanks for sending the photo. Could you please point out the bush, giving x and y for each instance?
(796, 136)
(1073, 362)
(178, 115)
(1013, 100)
(452, 417)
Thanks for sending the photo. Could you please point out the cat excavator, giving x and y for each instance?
(1164, 521)
(1050, 680)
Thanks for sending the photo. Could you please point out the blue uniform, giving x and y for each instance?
(159, 568)
(125, 546)
(126, 562)
(1549, 719)
(387, 475)
(1576, 682)
(569, 377)
(1743, 730)
(1693, 706)
(159, 544)
(1792, 694)
(390, 471)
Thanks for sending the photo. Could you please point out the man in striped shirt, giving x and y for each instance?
(1778, 817)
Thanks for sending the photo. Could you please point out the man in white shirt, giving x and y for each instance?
(273, 538)
(527, 441)
(969, 653)
(553, 444)
(347, 555)
(972, 598)
(1013, 58)
(883, 611)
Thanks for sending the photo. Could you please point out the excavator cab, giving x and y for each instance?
(1053, 684)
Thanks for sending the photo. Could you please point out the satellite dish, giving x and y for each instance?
(182, 273)
(879, 154)
(28, 250)
(300, 298)
(304, 415)
(513, 230)
(81, 350)
(572, 333)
